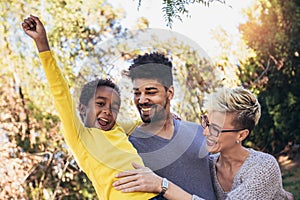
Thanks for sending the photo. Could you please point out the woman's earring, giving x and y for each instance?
(237, 141)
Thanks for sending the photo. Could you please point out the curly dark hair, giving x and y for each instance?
(88, 90)
(152, 66)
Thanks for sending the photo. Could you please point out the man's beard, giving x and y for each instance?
(158, 115)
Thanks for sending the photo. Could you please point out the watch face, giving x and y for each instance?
(165, 183)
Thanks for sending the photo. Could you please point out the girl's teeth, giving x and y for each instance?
(104, 119)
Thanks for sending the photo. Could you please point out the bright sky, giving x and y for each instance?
(198, 27)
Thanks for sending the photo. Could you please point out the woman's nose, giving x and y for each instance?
(206, 131)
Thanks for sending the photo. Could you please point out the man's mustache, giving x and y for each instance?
(145, 105)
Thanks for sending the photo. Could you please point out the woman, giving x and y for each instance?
(237, 172)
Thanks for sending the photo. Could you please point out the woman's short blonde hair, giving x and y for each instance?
(238, 101)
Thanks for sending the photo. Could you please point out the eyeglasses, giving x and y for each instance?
(214, 130)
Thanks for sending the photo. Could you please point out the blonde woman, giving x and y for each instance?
(237, 172)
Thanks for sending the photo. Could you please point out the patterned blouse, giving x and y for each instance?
(258, 178)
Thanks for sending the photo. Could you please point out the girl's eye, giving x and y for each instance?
(100, 104)
(115, 109)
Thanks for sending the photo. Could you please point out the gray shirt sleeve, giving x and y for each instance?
(196, 198)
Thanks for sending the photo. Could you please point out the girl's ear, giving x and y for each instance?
(82, 111)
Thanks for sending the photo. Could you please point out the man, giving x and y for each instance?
(100, 147)
(170, 147)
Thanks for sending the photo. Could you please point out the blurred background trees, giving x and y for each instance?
(89, 41)
(274, 72)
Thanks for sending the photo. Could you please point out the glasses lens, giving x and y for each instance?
(214, 131)
(204, 121)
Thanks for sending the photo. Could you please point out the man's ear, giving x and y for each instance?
(170, 92)
(82, 110)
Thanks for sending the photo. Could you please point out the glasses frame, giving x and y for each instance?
(205, 123)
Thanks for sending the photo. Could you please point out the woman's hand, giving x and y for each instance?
(141, 179)
(290, 196)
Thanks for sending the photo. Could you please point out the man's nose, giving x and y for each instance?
(143, 99)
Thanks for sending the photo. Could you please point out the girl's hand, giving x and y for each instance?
(34, 28)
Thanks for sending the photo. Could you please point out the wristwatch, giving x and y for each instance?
(164, 186)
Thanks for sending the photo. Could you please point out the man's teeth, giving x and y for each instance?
(146, 109)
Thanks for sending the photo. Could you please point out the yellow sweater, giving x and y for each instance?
(100, 154)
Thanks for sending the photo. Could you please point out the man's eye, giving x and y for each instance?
(137, 93)
(151, 92)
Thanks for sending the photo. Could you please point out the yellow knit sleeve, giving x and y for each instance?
(129, 125)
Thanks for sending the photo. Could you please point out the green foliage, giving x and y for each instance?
(42, 167)
(174, 9)
(195, 78)
(291, 181)
(273, 34)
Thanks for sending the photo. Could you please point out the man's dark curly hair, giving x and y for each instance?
(88, 90)
(152, 66)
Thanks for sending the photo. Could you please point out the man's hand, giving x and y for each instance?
(141, 179)
(34, 28)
